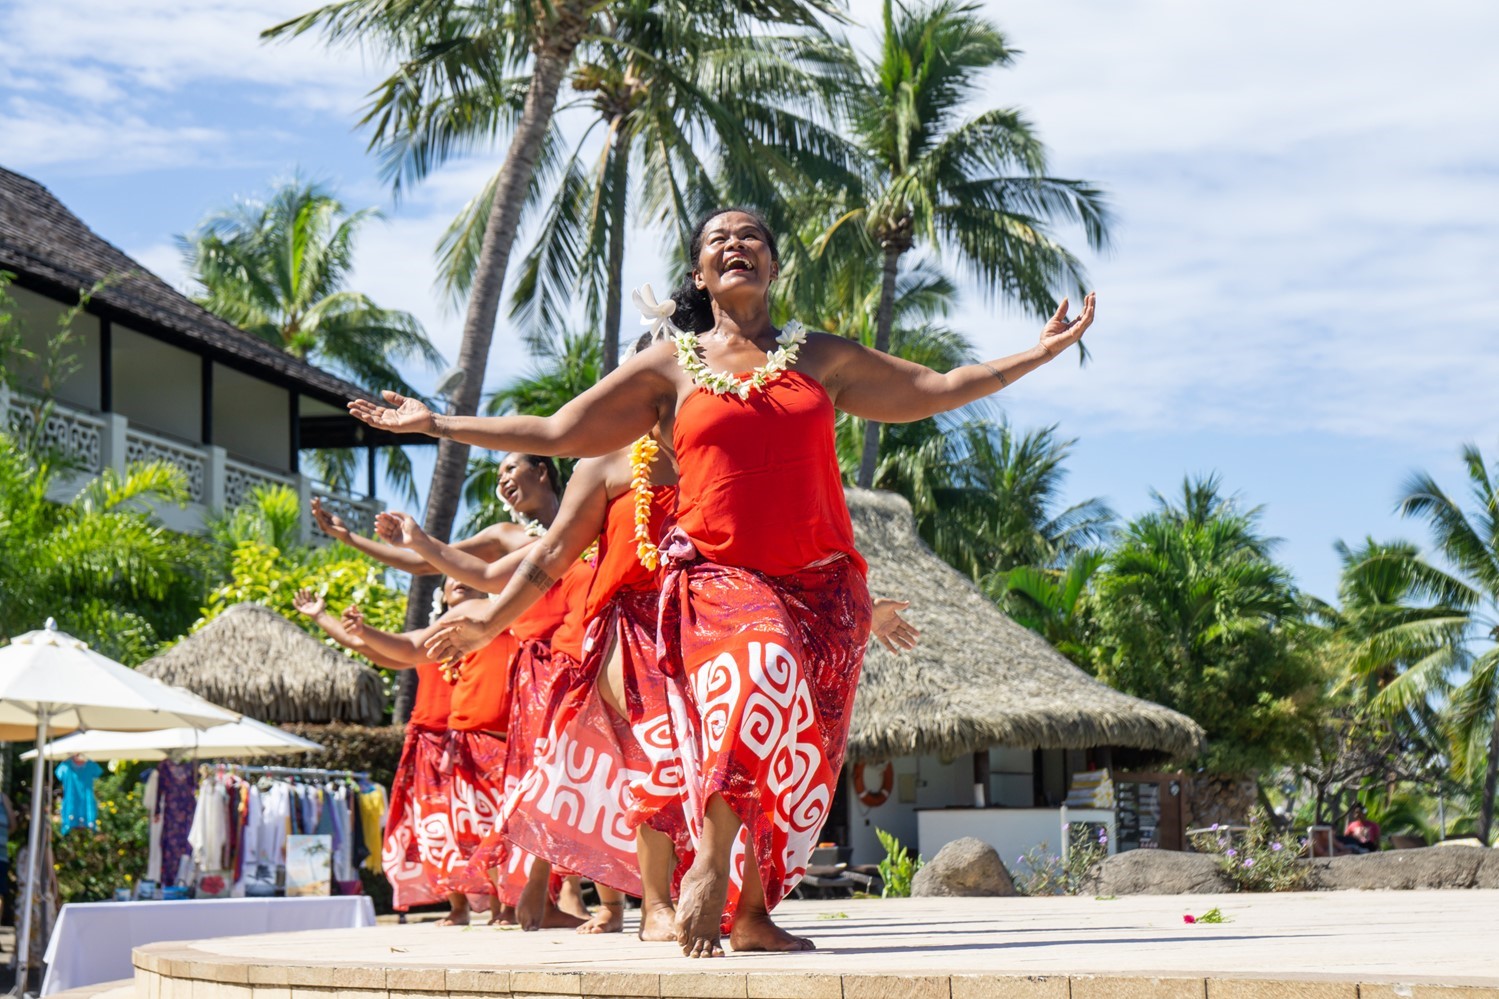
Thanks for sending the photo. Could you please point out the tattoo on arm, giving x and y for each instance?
(530, 572)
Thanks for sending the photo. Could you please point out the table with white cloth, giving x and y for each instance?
(92, 941)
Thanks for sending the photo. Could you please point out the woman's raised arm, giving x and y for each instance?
(876, 386)
(621, 407)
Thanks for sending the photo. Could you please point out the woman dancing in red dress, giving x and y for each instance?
(765, 611)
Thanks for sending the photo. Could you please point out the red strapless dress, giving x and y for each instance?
(593, 780)
(765, 617)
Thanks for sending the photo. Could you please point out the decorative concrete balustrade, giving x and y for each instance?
(216, 480)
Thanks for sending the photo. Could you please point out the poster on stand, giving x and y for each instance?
(309, 865)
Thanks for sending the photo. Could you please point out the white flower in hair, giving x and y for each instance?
(656, 315)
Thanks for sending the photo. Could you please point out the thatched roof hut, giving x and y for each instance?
(978, 679)
(254, 661)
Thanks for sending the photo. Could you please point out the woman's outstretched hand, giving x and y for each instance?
(397, 528)
(456, 637)
(894, 632)
(308, 603)
(402, 416)
(329, 522)
(1059, 333)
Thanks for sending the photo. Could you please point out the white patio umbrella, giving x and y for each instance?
(50, 682)
(236, 740)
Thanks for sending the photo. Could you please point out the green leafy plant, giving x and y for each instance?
(899, 867)
(1260, 858)
(1040, 872)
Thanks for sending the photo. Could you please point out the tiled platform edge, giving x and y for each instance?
(178, 971)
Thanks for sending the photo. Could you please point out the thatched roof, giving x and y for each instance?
(254, 661)
(978, 679)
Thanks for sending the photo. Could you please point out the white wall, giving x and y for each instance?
(38, 317)
(157, 386)
(251, 418)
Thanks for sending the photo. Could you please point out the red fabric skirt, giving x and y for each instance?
(761, 673)
(463, 799)
(576, 806)
(406, 854)
(531, 684)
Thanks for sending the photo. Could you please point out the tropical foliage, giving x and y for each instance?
(279, 269)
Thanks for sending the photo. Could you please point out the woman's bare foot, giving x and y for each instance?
(533, 906)
(556, 919)
(755, 931)
(610, 918)
(658, 923)
(459, 913)
(501, 914)
(705, 889)
(570, 897)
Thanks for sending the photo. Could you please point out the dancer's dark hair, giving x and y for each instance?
(694, 308)
(542, 461)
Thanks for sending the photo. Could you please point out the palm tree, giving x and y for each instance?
(1469, 541)
(1052, 602)
(662, 84)
(279, 270)
(975, 187)
(105, 569)
(453, 92)
(1193, 613)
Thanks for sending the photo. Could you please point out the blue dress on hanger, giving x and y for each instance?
(79, 808)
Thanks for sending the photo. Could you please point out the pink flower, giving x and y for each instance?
(1189, 919)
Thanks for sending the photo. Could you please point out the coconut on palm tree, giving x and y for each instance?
(279, 270)
(974, 187)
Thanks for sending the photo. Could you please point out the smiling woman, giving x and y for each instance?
(765, 612)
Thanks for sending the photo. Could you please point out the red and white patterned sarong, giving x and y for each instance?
(576, 806)
(761, 673)
(471, 785)
(404, 850)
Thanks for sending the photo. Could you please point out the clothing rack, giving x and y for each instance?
(296, 771)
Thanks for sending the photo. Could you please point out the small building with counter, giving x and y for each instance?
(982, 730)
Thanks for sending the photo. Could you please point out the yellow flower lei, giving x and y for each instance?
(642, 453)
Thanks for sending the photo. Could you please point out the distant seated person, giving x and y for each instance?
(1361, 834)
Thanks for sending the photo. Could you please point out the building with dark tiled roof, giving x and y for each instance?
(156, 376)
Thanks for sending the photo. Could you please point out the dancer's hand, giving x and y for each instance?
(894, 632)
(457, 637)
(402, 416)
(329, 522)
(1059, 333)
(308, 603)
(398, 528)
(352, 619)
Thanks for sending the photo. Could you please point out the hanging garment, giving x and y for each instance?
(372, 811)
(176, 805)
(275, 821)
(209, 835)
(80, 810)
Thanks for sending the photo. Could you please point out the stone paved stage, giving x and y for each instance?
(1332, 945)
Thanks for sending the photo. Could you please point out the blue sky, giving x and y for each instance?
(1302, 295)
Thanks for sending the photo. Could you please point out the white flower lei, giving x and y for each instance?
(533, 527)
(777, 361)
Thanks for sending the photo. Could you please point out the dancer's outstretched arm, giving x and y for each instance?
(894, 632)
(611, 414)
(579, 521)
(350, 637)
(402, 531)
(407, 647)
(877, 386)
(489, 544)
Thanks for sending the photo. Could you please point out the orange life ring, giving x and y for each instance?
(873, 799)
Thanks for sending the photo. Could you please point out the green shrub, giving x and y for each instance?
(1261, 858)
(898, 868)
(1039, 872)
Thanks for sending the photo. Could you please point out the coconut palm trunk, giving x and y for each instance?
(885, 319)
(619, 168)
(553, 54)
(1490, 785)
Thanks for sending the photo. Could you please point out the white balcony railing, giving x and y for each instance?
(215, 481)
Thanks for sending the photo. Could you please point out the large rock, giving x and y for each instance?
(965, 866)
(1158, 872)
(1432, 867)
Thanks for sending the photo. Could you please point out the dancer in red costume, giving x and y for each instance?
(417, 831)
(765, 612)
(595, 799)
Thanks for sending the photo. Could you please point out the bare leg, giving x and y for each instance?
(658, 858)
(536, 911)
(753, 929)
(611, 915)
(705, 889)
(570, 897)
(458, 913)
